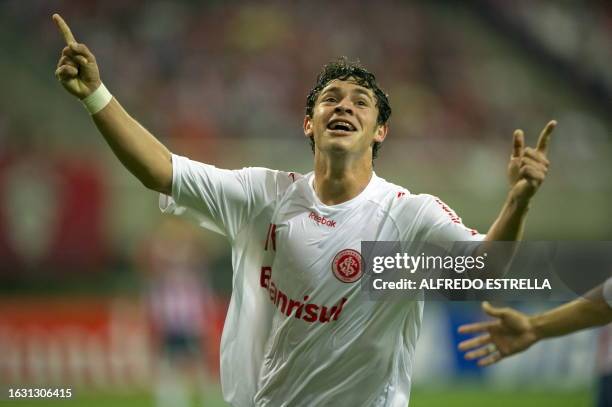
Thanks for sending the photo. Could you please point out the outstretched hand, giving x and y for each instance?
(77, 69)
(511, 332)
(528, 166)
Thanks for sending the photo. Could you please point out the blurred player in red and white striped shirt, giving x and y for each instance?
(179, 305)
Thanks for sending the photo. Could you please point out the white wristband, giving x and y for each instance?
(98, 100)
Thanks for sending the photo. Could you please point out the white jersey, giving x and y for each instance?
(300, 331)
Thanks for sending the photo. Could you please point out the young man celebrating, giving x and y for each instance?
(299, 331)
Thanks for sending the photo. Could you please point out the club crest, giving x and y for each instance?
(347, 266)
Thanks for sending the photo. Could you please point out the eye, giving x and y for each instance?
(362, 103)
(329, 99)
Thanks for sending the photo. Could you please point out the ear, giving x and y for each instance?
(308, 126)
(381, 133)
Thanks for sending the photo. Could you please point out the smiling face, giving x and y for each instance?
(345, 119)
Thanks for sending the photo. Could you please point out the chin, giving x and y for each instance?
(336, 146)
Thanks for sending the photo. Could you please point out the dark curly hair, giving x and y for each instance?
(343, 69)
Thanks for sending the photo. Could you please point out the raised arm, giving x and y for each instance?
(513, 332)
(137, 149)
(527, 170)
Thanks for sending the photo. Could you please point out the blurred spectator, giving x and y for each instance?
(181, 309)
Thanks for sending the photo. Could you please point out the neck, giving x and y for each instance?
(339, 179)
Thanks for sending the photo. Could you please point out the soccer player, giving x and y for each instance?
(299, 331)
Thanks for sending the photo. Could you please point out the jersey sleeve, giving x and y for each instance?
(439, 223)
(220, 200)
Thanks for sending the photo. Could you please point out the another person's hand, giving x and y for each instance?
(511, 332)
(77, 69)
(528, 166)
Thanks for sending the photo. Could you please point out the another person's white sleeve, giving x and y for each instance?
(607, 291)
(220, 200)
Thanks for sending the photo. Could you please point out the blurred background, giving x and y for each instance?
(100, 293)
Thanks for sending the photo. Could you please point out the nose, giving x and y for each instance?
(342, 107)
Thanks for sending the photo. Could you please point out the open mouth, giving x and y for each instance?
(340, 125)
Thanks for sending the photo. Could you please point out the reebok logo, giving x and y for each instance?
(322, 220)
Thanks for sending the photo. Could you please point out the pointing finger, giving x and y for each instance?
(545, 136)
(64, 29)
(518, 143)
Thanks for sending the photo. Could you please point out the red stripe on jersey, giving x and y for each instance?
(271, 236)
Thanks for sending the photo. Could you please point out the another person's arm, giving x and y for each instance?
(513, 331)
(137, 149)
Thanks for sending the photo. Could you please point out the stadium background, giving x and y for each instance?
(226, 84)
